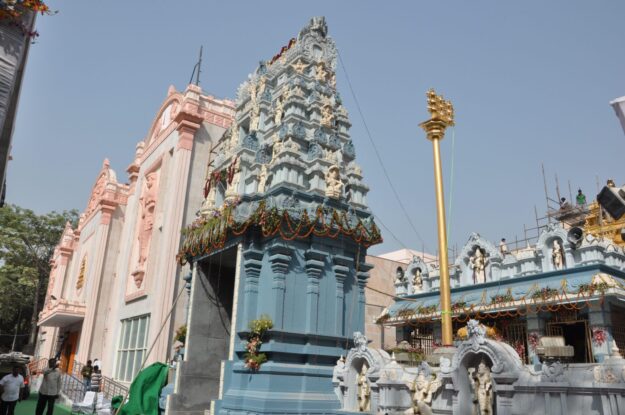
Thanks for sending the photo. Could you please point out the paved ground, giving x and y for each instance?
(27, 407)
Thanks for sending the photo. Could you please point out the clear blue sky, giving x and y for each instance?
(530, 80)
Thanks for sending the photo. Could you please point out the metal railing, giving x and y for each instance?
(111, 388)
(108, 386)
(72, 387)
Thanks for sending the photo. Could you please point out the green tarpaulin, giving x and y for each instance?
(145, 391)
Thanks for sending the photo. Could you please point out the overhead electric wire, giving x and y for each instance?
(377, 153)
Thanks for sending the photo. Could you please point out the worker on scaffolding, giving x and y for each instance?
(580, 198)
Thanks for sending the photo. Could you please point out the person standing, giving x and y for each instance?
(97, 363)
(96, 379)
(86, 372)
(49, 389)
(11, 391)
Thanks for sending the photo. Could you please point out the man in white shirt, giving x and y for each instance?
(11, 387)
(49, 389)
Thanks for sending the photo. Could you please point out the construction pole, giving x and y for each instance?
(442, 116)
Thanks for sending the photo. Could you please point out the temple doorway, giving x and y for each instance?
(209, 331)
(577, 334)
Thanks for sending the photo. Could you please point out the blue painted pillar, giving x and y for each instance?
(280, 259)
(252, 264)
(314, 269)
(362, 276)
(341, 269)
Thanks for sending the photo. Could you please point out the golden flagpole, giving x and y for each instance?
(442, 116)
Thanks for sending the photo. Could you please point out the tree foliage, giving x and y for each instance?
(27, 242)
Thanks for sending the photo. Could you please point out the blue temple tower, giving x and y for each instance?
(282, 236)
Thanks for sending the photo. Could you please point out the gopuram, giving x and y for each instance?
(278, 248)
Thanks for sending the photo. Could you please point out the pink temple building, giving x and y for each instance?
(115, 276)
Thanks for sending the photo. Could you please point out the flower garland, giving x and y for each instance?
(599, 335)
(224, 175)
(253, 358)
(550, 300)
(11, 12)
(545, 293)
(208, 234)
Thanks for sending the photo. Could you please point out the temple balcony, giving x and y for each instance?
(61, 313)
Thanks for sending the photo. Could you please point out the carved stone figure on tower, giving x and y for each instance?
(254, 118)
(233, 188)
(231, 143)
(364, 390)
(262, 178)
(557, 255)
(417, 281)
(277, 146)
(320, 72)
(278, 112)
(477, 263)
(299, 66)
(332, 81)
(208, 205)
(399, 275)
(334, 185)
(482, 385)
(327, 116)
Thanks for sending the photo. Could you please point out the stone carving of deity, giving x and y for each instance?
(331, 156)
(253, 95)
(320, 72)
(399, 276)
(233, 188)
(477, 263)
(417, 281)
(261, 86)
(334, 185)
(234, 137)
(147, 203)
(557, 255)
(254, 119)
(332, 81)
(364, 391)
(327, 116)
(278, 113)
(482, 385)
(277, 146)
(422, 391)
(262, 178)
(209, 203)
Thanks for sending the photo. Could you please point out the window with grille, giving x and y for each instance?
(133, 341)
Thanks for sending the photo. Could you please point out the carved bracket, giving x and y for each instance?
(342, 265)
(280, 258)
(314, 263)
(252, 264)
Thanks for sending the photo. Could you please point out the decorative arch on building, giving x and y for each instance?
(490, 252)
(168, 109)
(357, 357)
(544, 246)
